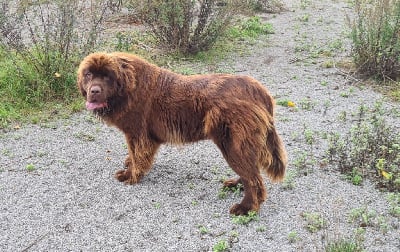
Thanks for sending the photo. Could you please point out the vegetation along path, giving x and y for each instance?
(57, 191)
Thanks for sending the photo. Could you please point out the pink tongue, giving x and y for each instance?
(95, 105)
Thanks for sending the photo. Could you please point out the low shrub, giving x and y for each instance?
(184, 25)
(41, 43)
(189, 26)
(370, 149)
(376, 40)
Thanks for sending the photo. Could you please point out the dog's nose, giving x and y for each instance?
(95, 90)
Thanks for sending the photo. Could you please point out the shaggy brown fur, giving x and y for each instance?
(153, 106)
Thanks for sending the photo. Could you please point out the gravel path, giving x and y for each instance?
(69, 201)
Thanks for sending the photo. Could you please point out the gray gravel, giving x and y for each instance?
(71, 202)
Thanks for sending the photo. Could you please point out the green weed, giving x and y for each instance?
(355, 177)
(328, 64)
(245, 219)
(288, 182)
(285, 103)
(306, 104)
(157, 205)
(293, 236)
(305, 3)
(224, 191)
(30, 167)
(220, 246)
(314, 221)
(85, 136)
(305, 18)
(394, 203)
(343, 246)
(261, 229)
(203, 230)
(304, 162)
(363, 216)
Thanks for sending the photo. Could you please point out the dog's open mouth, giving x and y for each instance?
(96, 105)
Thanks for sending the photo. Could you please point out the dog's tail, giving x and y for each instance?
(276, 170)
(276, 158)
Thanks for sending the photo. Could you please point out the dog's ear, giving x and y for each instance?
(80, 81)
(126, 80)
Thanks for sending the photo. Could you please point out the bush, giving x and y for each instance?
(371, 149)
(376, 40)
(186, 25)
(41, 43)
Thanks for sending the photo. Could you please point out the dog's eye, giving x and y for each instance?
(88, 75)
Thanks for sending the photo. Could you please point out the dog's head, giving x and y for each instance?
(105, 80)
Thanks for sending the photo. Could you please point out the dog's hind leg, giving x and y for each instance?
(251, 201)
(241, 157)
(139, 160)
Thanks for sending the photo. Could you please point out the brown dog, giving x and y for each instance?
(153, 106)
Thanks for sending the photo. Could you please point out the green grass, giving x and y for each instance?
(249, 29)
(343, 246)
(29, 95)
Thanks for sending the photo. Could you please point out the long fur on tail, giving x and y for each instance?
(277, 166)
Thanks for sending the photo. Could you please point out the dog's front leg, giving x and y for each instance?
(139, 161)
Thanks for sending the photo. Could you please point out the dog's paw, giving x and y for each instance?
(240, 209)
(122, 175)
(127, 177)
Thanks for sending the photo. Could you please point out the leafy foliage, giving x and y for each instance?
(41, 43)
(371, 149)
(375, 35)
(189, 26)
